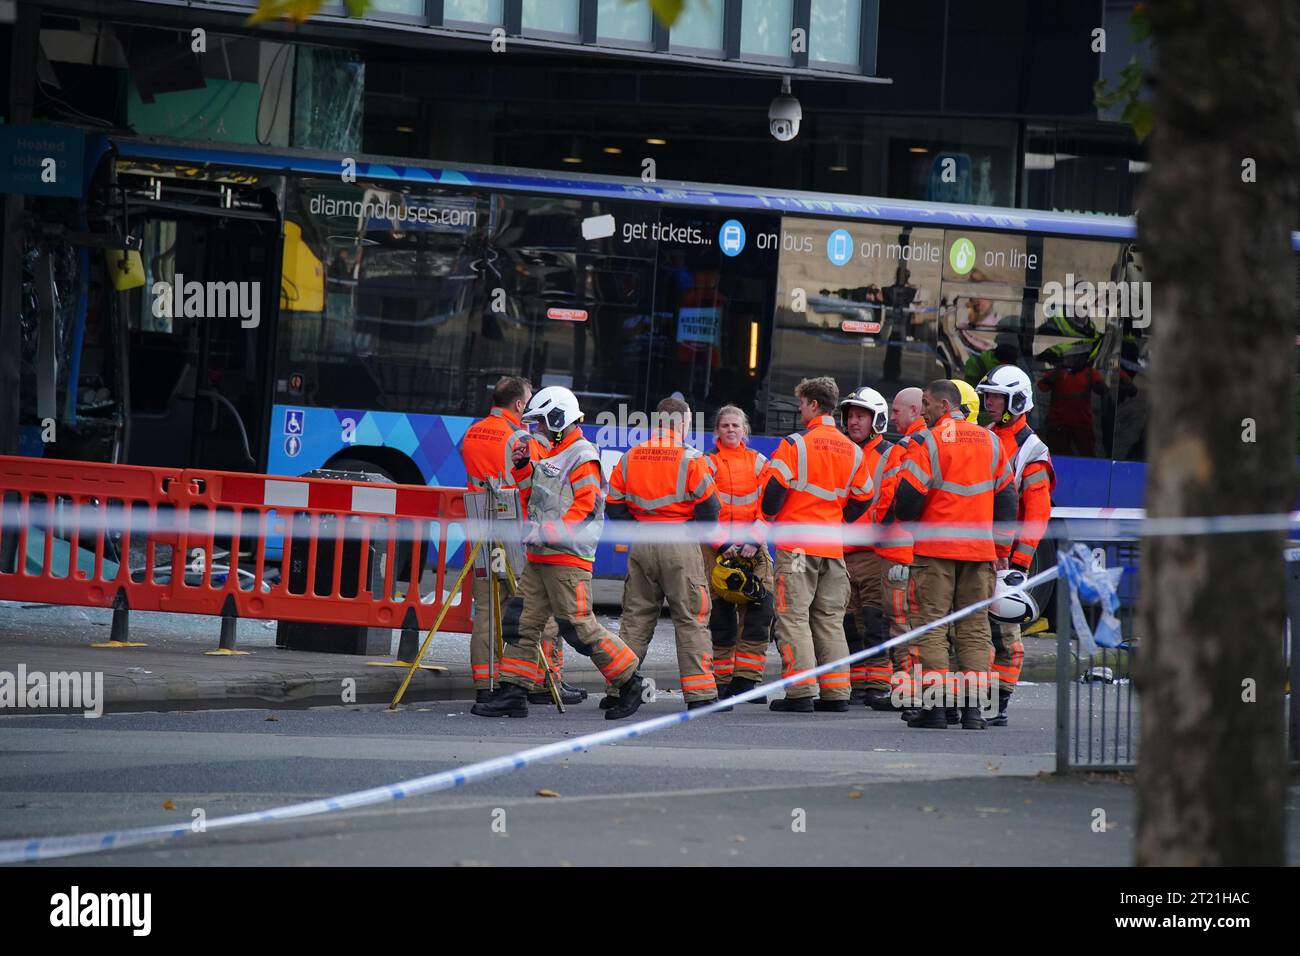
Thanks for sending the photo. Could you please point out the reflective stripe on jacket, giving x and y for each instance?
(487, 449)
(661, 479)
(562, 491)
(1035, 479)
(959, 467)
(737, 473)
(820, 468)
(877, 453)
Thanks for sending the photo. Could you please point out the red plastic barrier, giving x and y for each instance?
(117, 516)
(214, 530)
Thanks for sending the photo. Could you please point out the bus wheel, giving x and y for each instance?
(402, 551)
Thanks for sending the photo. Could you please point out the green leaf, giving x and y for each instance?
(1143, 120)
(295, 10)
(356, 8)
(667, 11)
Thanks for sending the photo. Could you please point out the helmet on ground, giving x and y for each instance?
(555, 407)
(734, 578)
(1011, 381)
(970, 401)
(1014, 605)
(873, 402)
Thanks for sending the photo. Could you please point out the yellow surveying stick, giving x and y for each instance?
(437, 623)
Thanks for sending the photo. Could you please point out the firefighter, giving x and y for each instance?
(866, 417)
(663, 481)
(1008, 398)
(896, 549)
(487, 451)
(815, 477)
(956, 474)
(737, 470)
(561, 490)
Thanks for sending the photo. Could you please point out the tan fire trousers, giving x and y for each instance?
(943, 586)
(733, 653)
(564, 593)
(481, 656)
(674, 571)
(865, 624)
(812, 594)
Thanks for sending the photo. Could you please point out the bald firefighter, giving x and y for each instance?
(957, 483)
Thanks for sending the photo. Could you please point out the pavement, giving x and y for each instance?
(745, 788)
(172, 670)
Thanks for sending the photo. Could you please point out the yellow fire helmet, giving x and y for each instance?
(735, 580)
(970, 400)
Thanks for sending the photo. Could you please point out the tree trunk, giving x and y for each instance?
(1211, 767)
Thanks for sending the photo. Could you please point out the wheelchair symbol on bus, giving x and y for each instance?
(293, 421)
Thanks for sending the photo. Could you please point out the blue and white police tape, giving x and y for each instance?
(1095, 585)
(52, 847)
(1078, 523)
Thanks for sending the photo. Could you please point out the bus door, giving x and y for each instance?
(201, 326)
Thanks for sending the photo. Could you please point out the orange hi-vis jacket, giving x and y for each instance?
(809, 479)
(737, 473)
(1035, 480)
(897, 544)
(877, 453)
(662, 479)
(957, 475)
(487, 449)
(575, 503)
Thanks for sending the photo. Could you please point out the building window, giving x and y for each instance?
(699, 27)
(551, 16)
(405, 8)
(472, 11)
(834, 32)
(765, 29)
(623, 23)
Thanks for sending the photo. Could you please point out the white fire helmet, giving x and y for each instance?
(1014, 605)
(555, 407)
(1011, 381)
(873, 402)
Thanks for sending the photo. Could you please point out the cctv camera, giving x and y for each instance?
(784, 114)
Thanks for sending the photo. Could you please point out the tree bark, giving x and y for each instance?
(1211, 767)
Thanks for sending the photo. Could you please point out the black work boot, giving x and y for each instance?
(696, 704)
(569, 695)
(953, 715)
(628, 700)
(608, 701)
(929, 718)
(483, 695)
(909, 713)
(724, 690)
(831, 706)
(880, 700)
(859, 695)
(510, 700)
(792, 705)
(971, 719)
(1004, 698)
(739, 685)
